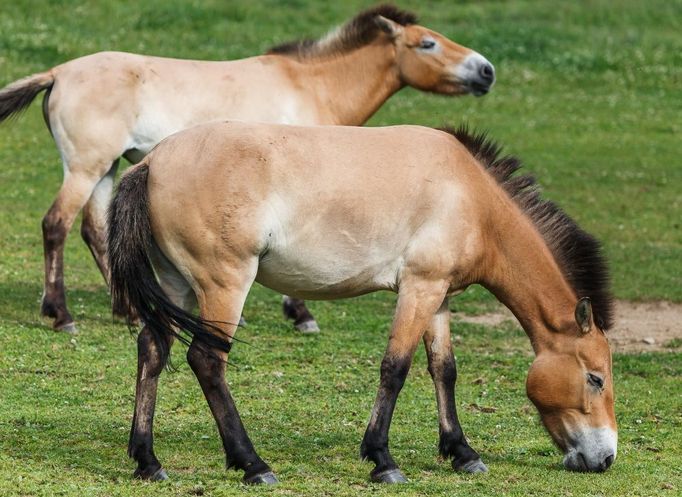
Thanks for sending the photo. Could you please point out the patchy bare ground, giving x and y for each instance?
(640, 326)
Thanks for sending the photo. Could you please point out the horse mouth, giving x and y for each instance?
(473, 87)
(478, 89)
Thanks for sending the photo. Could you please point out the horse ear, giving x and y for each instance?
(389, 27)
(583, 314)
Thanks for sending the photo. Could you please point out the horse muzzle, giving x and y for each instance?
(593, 450)
(476, 74)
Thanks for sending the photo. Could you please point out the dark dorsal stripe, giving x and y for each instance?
(578, 254)
(359, 31)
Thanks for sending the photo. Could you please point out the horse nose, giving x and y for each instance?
(607, 462)
(487, 72)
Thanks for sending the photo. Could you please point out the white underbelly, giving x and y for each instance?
(315, 274)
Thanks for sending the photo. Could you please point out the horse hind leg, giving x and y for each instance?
(296, 310)
(152, 355)
(222, 304)
(73, 195)
(93, 227)
(443, 370)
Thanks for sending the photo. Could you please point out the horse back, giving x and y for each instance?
(131, 102)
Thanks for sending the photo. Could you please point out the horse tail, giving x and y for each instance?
(133, 283)
(16, 96)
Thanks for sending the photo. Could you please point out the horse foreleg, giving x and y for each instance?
(443, 370)
(73, 194)
(417, 302)
(152, 355)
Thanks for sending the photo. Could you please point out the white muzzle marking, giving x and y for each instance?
(593, 449)
(475, 72)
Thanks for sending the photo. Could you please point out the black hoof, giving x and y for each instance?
(475, 466)
(389, 476)
(158, 475)
(267, 478)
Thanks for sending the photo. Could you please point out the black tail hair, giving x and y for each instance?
(133, 282)
(16, 96)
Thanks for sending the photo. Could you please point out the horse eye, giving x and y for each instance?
(427, 44)
(595, 380)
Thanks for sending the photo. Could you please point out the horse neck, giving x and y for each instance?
(524, 275)
(349, 88)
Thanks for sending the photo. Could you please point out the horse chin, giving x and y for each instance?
(478, 90)
(457, 87)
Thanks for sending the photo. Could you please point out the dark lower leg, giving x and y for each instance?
(209, 369)
(296, 310)
(54, 296)
(443, 371)
(418, 300)
(152, 354)
(452, 443)
(73, 194)
(375, 442)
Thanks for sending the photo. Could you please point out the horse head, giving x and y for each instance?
(571, 384)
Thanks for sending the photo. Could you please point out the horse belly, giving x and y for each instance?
(313, 273)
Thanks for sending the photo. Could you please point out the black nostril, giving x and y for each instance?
(608, 462)
(487, 72)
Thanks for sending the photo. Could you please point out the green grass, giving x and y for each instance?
(588, 95)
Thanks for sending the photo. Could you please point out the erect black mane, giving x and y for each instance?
(578, 254)
(357, 32)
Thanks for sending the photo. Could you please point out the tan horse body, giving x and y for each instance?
(106, 105)
(331, 212)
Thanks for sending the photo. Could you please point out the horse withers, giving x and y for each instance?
(334, 212)
(107, 105)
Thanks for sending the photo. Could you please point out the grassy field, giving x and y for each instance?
(588, 95)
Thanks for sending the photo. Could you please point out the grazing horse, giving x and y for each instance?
(332, 212)
(107, 105)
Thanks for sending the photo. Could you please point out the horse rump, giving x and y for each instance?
(133, 283)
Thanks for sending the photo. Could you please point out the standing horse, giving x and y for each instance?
(409, 209)
(110, 104)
